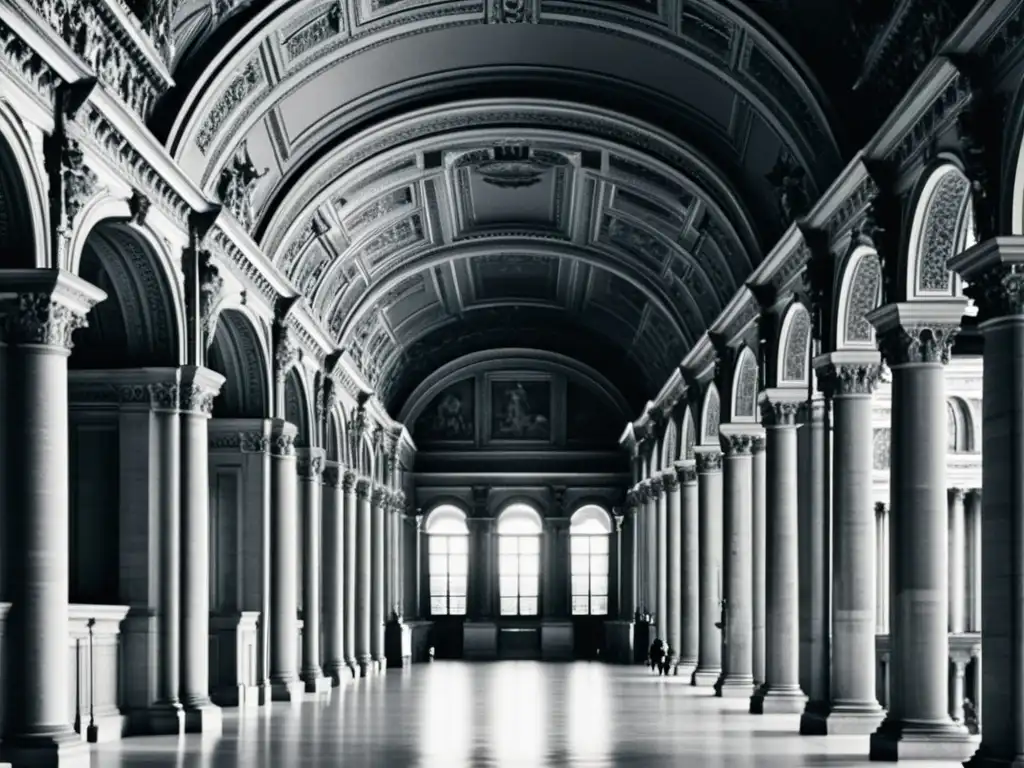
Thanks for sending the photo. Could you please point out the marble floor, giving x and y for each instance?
(501, 715)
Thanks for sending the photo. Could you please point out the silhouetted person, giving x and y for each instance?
(656, 653)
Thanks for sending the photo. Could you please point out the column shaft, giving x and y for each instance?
(348, 488)
(201, 715)
(780, 691)
(709, 483)
(168, 429)
(758, 514)
(661, 555)
(737, 679)
(284, 566)
(310, 467)
(673, 565)
(378, 510)
(628, 606)
(335, 666)
(974, 520)
(882, 568)
(650, 560)
(957, 561)
(364, 555)
(690, 605)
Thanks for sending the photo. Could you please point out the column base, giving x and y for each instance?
(353, 668)
(984, 758)
(203, 717)
(684, 669)
(165, 719)
(768, 700)
(287, 690)
(896, 740)
(861, 719)
(366, 667)
(265, 693)
(63, 749)
(707, 676)
(317, 683)
(338, 674)
(380, 665)
(734, 686)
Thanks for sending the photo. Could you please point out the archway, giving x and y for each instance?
(237, 354)
(520, 528)
(590, 529)
(296, 407)
(448, 567)
(22, 200)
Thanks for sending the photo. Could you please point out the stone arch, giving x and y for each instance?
(689, 440)
(669, 444)
(959, 426)
(23, 199)
(336, 437)
(710, 416)
(937, 233)
(793, 366)
(141, 324)
(859, 293)
(590, 518)
(447, 519)
(296, 406)
(366, 457)
(519, 515)
(238, 353)
(744, 387)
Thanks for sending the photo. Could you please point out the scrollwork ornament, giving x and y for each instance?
(36, 319)
(737, 445)
(165, 396)
(931, 343)
(709, 461)
(687, 474)
(780, 414)
(670, 481)
(999, 291)
(253, 442)
(283, 444)
(348, 481)
(850, 379)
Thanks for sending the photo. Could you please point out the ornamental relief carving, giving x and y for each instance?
(712, 417)
(253, 442)
(687, 474)
(780, 413)
(746, 387)
(165, 396)
(197, 398)
(998, 292)
(249, 79)
(36, 319)
(918, 343)
(737, 445)
(709, 461)
(864, 292)
(283, 445)
(794, 363)
(845, 380)
(941, 238)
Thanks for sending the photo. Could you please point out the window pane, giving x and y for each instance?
(457, 606)
(438, 565)
(599, 605)
(457, 587)
(438, 586)
(509, 606)
(438, 606)
(508, 545)
(529, 565)
(580, 565)
(598, 545)
(438, 545)
(508, 586)
(599, 585)
(579, 545)
(528, 586)
(529, 544)
(580, 585)
(599, 564)
(580, 605)
(458, 544)
(458, 564)
(528, 606)
(508, 565)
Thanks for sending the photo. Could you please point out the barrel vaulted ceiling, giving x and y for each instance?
(593, 178)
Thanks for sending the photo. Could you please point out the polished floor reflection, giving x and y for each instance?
(502, 715)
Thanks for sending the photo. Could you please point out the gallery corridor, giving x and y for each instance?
(501, 715)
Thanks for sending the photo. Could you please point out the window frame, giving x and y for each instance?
(591, 523)
(452, 526)
(520, 510)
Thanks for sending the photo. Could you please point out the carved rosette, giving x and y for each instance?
(670, 481)
(164, 396)
(348, 482)
(999, 291)
(310, 467)
(776, 413)
(283, 445)
(197, 398)
(847, 380)
(36, 319)
(737, 445)
(655, 487)
(363, 487)
(253, 442)
(930, 343)
(709, 461)
(687, 474)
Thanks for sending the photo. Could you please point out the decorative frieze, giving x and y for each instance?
(708, 462)
(250, 78)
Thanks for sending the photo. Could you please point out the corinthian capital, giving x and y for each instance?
(310, 463)
(348, 481)
(994, 273)
(670, 481)
(848, 374)
(708, 461)
(918, 332)
(44, 307)
(363, 488)
(199, 387)
(380, 495)
(655, 487)
(781, 407)
(687, 472)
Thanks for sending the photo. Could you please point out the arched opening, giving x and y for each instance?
(19, 224)
(295, 409)
(236, 353)
(590, 530)
(520, 528)
(448, 568)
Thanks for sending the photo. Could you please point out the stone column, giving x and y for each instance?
(348, 487)
(689, 566)
(957, 693)
(780, 692)
(815, 543)
(628, 606)
(758, 534)
(364, 575)
(310, 467)
(661, 555)
(380, 499)
(43, 308)
(737, 678)
(994, 272)
(850, 379)
(166, 715)
(650, 557)
(957, 562)
(285, 684)
(335, 666)
(198, 388)
(916, 340)
(882, 569)
(673, 565)
(709, 492)
(973, 503)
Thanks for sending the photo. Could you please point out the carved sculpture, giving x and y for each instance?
(237, 186)
(791, 186)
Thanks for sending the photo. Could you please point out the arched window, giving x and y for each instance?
(448, 545)
(589, 530)
(519, 532)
